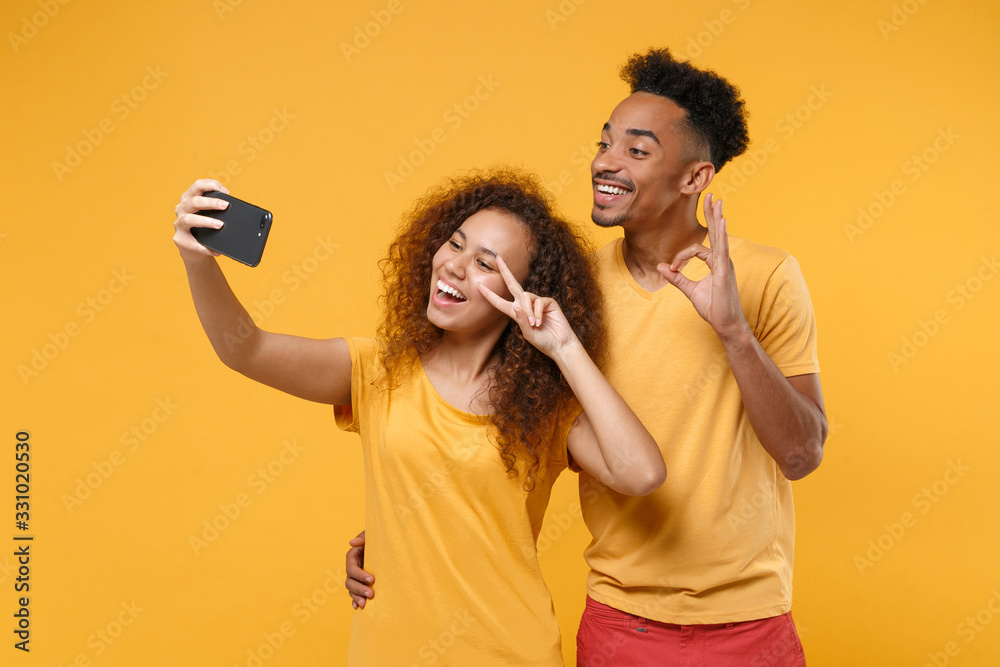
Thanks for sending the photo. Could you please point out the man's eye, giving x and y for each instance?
(636, 151)
(602, 145)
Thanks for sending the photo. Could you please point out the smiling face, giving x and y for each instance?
(468, 258)
(643, 161)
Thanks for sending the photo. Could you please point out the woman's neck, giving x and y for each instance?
(459, 370)
(465, 360)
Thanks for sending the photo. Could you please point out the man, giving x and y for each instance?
(719, 362)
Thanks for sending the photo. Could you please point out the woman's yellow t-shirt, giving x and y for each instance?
(450, 536)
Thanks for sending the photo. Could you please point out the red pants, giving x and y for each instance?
(609, 637)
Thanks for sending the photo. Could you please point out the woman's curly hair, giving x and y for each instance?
(527, 391)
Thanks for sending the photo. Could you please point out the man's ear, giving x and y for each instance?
(697, 178)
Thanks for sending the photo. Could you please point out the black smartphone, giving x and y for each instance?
(243, 233)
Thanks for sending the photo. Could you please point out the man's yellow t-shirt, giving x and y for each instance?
(714, 543)
(450, 536)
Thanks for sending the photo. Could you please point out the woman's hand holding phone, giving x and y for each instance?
(187, 210)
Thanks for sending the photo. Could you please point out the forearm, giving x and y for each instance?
(229, 327)
(790, 425)
(630, 460)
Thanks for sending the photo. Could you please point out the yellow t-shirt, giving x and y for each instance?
(450, 537)
(714, 543)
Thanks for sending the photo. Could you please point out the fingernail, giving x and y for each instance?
(369, 594)
(217, 224)
(223, 203)
(368, 579)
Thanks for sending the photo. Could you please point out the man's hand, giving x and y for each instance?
(715, 296)
(786, 413)
(358, 581)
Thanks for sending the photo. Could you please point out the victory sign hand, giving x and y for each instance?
(541, 319)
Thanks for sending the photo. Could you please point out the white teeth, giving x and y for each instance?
(447, 289)
(610, 189)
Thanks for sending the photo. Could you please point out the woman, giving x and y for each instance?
(466, 418)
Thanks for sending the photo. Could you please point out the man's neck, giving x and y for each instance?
(648, 245)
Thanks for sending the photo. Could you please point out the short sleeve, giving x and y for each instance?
(786, 326)
(363, 369)
(568, 414)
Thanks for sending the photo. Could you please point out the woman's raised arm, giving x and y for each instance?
(317, 370)
(607, 440)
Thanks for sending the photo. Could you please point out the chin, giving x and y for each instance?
(430, 318)
(602, 220)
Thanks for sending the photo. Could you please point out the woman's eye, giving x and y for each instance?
(455, 244)
(483, 265)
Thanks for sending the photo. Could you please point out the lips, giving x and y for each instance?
(608, 192)
(450, 290)
(611, 189)
(447, 294)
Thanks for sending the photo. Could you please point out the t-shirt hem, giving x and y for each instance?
(731, 616)
(788, 370)
(346, 416)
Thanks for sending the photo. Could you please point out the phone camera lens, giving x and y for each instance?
(262, 223)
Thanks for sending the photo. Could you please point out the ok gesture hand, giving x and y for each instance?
(541, 319)
(715, 296)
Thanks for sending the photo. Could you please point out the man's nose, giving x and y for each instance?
(606, 160)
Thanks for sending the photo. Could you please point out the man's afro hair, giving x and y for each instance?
(716, 115)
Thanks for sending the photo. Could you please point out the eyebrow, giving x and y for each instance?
(636, 133)
(482, 248)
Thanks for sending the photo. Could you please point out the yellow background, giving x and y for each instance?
(867, 85)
